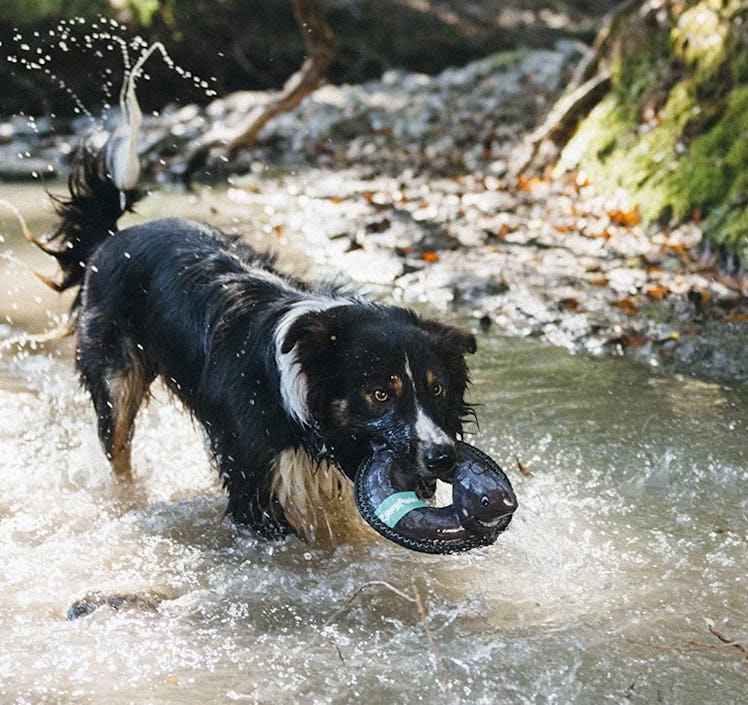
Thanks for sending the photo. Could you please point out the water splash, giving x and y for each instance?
(21, 221)
(96, 38)
(121, 149)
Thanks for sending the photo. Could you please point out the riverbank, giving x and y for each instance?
(406, 185)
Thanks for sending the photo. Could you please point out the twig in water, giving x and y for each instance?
(632, 686)
(354, 595)
(739, 645)
(438, 663)
(417, 600)
(727, 645)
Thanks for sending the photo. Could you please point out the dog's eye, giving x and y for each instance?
(381, 395)
(436, 389)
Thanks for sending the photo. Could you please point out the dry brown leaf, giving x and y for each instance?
(523, 469)
(627, 306)
(570, 302)
(624, 217)
(657, 292)
(529, 183)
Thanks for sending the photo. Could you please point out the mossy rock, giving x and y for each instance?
(673, 129)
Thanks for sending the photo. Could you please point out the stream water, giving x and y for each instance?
(631, 540)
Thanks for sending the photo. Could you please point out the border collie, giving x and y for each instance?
(292, 382)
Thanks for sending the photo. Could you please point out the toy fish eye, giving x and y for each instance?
(381, 395)
(485, 500)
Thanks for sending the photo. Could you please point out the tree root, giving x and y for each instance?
(317, 37)
(560, 122)
(587, 87)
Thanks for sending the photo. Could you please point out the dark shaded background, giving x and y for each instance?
(256, 44)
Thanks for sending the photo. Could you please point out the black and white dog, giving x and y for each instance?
(292, 382)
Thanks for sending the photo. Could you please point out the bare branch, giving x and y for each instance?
(318, 40)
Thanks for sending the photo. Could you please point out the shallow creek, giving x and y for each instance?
(631, 540)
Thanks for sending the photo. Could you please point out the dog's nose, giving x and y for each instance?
(439, 459)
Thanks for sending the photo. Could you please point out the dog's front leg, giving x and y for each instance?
(251, 500)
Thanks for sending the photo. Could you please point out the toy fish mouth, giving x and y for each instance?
(491, 526)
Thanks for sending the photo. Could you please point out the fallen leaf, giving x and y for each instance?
(657, 292)
(699, 297)
(737, 317)
(529, 183)
(379, 226)
(403, 251)
(523, 469)
(625, 340)
(624, 217)
(627, 306)
(430, 256)
(570, 302)
(335, 200)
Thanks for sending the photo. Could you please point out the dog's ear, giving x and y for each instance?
(451, 338)
(314, 332)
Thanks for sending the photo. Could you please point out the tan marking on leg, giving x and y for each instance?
(317, 500)
(127, 392)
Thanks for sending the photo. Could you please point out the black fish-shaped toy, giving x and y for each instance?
(482, 503)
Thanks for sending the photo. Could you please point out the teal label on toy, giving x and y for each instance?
(396, 506)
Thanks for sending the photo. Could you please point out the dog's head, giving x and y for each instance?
(371, 375)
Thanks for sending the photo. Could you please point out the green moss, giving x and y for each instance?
(699, 35)
(673, 130)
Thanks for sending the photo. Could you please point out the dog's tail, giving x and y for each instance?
(87, 217)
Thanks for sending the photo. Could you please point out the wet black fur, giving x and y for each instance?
(182, 301)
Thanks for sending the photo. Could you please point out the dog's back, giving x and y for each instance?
(294, 384)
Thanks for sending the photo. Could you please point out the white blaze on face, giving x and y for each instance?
(427, 431)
